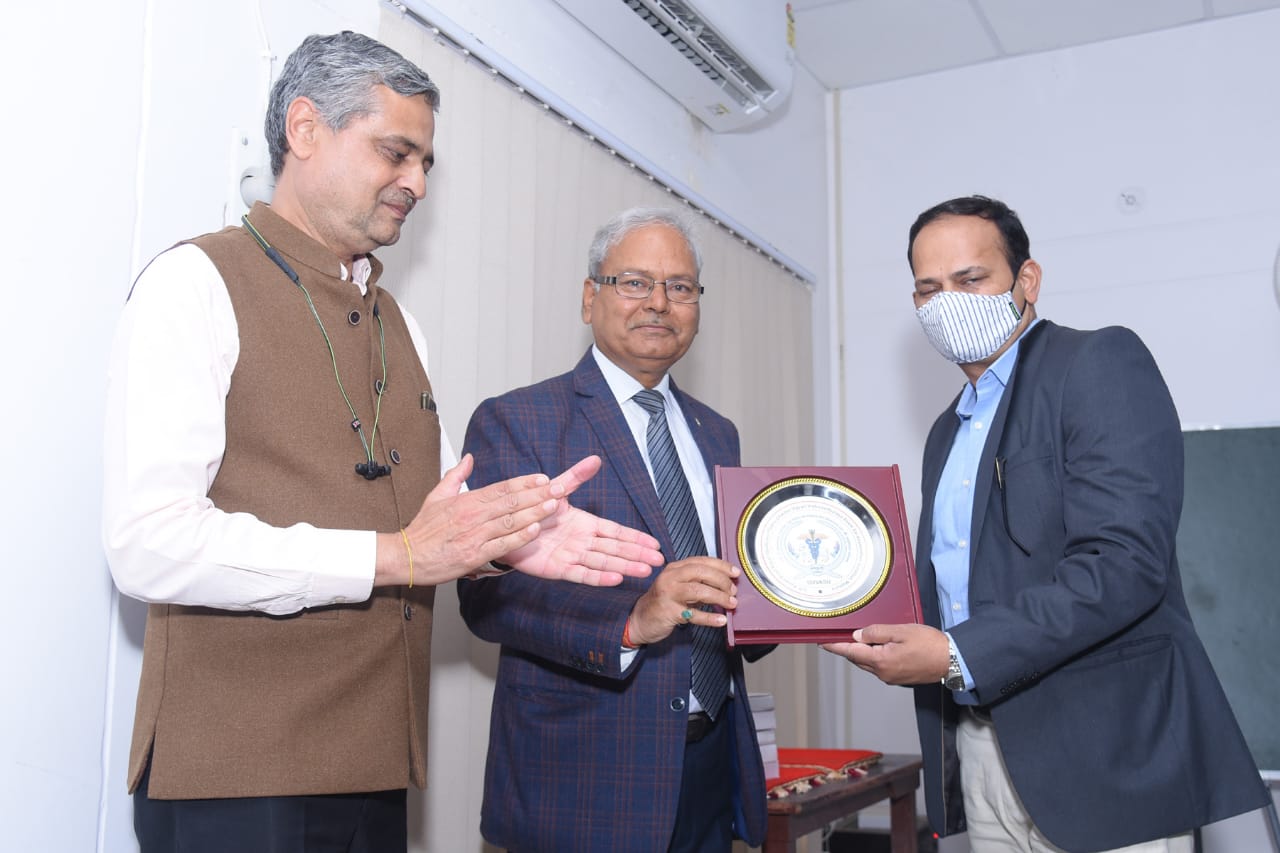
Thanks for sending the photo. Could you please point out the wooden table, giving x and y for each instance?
(895, 778)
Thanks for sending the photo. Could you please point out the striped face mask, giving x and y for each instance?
(968, 327)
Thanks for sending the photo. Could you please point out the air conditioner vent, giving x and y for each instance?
(728, 61)
(704, 48)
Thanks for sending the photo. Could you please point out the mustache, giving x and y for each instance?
(401, 199)
(650, 319)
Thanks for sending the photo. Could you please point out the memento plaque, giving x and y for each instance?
(823, 551)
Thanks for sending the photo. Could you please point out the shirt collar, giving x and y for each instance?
(623, 385)
(361, 269)
(999, 372)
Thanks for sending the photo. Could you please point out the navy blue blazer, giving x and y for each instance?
(1112, 723)
(583, 757)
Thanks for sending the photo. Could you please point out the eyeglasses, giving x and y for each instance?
(633, 285)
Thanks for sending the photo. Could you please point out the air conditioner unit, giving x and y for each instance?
(729, 62)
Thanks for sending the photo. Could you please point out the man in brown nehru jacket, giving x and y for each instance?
(279, 489)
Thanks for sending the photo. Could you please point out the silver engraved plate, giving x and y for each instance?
(814, 546)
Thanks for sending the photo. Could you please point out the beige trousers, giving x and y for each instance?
(997, 821)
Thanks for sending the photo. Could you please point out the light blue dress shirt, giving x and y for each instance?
(953, 501)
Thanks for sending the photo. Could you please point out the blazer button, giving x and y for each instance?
(408, 611)
(678, 704)
(354, 318)
(395, 456)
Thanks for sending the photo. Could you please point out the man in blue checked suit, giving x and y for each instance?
(620, 719)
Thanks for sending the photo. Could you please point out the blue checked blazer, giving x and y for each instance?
(1111, 721)
(581, 756)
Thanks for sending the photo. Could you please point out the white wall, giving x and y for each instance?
(1187, 120)
(68, 150)
(120, 140)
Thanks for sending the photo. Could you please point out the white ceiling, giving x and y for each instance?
(847, 43)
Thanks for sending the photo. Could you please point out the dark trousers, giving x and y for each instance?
(335, 823)
(704, 818)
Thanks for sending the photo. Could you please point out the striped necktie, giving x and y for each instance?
(710, 666)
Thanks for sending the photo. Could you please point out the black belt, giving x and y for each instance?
(981, 713)
(700, 724)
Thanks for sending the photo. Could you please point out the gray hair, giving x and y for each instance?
(616, 229)
(338, 73)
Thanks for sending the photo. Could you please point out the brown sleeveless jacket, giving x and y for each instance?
(332, 699)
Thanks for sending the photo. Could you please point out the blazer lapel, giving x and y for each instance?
(937, 447)
(620, 452)
(709, 452)
(986, 473)
(935, 458)
(714, 451)
(987, 465)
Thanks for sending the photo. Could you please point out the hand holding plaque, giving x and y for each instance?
(823, 551)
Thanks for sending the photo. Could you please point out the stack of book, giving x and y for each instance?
(766, 720)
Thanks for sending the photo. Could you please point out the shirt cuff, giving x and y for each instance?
(344, 568)
(489, 570)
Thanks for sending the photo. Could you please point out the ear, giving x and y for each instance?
(302, 123)
(1029, 278)
(588, 299)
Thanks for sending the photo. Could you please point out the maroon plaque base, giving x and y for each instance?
(758, 619)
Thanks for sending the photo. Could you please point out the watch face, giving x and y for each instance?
(814, 546)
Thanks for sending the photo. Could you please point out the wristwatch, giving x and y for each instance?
(954, 679)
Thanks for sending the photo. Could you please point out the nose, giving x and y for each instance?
(415, 181)
(657, 299)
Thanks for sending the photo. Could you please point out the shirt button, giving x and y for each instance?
(977, 424)
(965, 483)
(956, 607)
(963, 543)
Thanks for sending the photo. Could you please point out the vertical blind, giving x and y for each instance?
(491, 264)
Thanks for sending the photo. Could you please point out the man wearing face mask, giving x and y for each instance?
(1063, 699)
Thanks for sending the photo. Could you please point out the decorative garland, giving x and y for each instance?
(802, 770)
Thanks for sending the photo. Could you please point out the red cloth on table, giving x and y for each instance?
(802, 769)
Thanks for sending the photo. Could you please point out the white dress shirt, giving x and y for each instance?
(170, 369)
